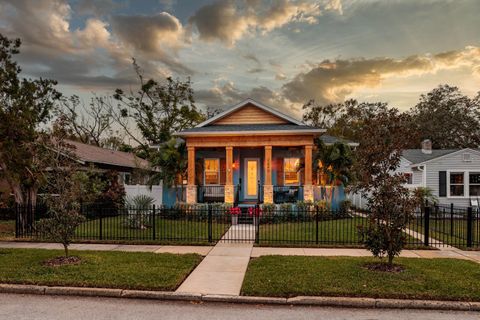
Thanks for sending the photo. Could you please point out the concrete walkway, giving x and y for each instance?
(223, 269)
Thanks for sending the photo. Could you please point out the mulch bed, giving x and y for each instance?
(384, 267)
(62, 261)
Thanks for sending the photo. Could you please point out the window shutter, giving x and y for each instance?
(279, 171)
(442, 183)
(223, 171)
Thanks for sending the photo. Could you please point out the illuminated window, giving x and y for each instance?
(290, 170)
(408, 177)
(212, 171)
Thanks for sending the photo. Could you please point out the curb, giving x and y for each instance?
(344, 302)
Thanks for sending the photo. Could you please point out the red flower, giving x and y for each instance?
(257, 211)
(235, 211)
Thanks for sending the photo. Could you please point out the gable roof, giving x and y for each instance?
(256, 104)
(416, 156)
(87, 153)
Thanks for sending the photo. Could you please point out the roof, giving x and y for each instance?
(328, 139)
(417, 156)
(252, 129)
(94, 154)
(255, 103)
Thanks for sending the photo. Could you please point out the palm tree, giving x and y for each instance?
(172, 163)
(333, 164)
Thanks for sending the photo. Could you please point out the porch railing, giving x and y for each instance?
(210, 194)
(287, 194)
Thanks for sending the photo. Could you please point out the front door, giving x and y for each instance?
(251, 178)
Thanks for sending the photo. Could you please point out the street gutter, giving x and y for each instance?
(344, 302)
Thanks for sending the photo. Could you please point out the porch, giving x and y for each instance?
(250, 175)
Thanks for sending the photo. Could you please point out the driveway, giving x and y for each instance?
(20, 307)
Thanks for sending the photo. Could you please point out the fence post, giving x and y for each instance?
(257, 220)
(209, 223)
(451, 219)
(469, 227)
(100, 224)
(154, 231)
(316, 224)
(426, 226)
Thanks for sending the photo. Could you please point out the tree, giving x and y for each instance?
(65, 190)
(25, 108)
(172, 164)
(90, 124)
(390, 204)
(448, 118)
(334, 164)
(157, 109)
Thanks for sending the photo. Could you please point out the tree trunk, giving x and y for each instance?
(390, 259)
(65, 246)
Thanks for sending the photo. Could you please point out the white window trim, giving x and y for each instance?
(298, 173)
(204, 171)
(411, 174)
(466, 183)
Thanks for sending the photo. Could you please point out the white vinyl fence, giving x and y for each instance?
(155, 192)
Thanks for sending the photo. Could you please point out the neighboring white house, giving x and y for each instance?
(453, 175)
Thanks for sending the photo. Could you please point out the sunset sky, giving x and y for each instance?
(281, 53)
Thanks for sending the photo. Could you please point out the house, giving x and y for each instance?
(248, 154)
(453, 175)
(129, 167)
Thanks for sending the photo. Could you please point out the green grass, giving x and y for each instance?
(166, 230)
(7, 229)
(343, 232)
(286, 276)
(127, 270)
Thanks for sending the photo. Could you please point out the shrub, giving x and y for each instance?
(139, 211)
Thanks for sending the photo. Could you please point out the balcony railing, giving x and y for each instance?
(287, 194)
(209, 194)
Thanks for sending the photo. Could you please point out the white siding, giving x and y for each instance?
(135, 190)
(451, 162)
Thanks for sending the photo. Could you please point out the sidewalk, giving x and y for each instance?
(223, 269)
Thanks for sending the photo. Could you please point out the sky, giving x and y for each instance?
(282, 53)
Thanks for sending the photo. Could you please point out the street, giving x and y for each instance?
(30, 307)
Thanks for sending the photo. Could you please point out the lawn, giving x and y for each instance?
(7, 229)
(114, 228)
(343, 232)
(286, 276)
(128, 270)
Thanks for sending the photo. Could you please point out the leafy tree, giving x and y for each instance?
(158, 109)
(448, 118)
(172, 164)
(65, 189)
(390, 204)
(333, 164)
(25, 108)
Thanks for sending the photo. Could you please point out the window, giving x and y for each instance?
(457, 188)
(290, 170)
(408, 177)
(212, 171)
(474, 184)
(467, 157)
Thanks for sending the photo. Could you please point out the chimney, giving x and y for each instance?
(427, 146)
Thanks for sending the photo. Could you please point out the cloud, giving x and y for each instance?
(228, 21)
(280, 76)
(98, 8)
(333, 80)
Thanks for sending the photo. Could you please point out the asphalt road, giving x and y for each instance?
(33, 307)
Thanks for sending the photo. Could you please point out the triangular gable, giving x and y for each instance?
(250, 112)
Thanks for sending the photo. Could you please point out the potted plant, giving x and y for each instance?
(235, 212)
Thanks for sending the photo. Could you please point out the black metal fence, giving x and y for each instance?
(284, 225)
